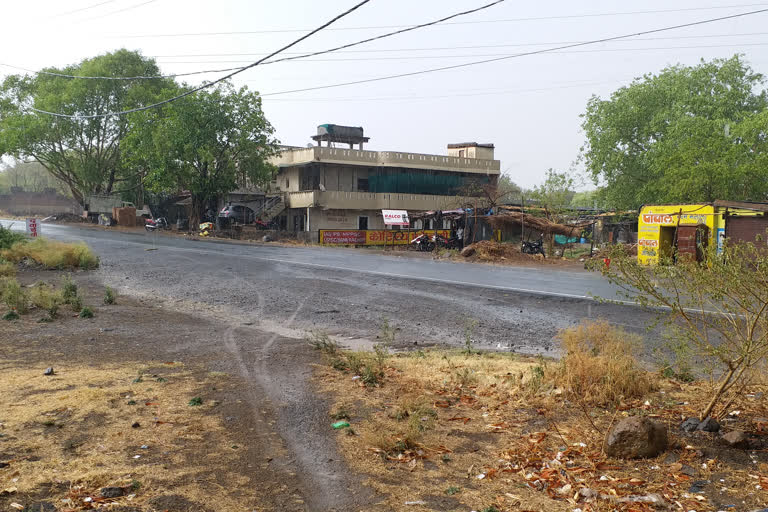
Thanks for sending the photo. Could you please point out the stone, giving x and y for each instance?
(136, 425)
(636, 437)
(687, 470)
(709, 425)
(48, 371)
(40, 506)
(690, 424)
(267, 238)
(112, 492)
(698, 486)
(736, 439)
(467, 251)
(671, 458)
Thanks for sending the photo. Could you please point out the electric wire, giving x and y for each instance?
(509, 20)
(517, 55)
(207, 84)
(301, 56)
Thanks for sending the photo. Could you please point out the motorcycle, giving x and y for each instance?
(535, 247)
(423, 243)
(154, 224)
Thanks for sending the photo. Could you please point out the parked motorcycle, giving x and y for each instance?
(154, 224)
(535, 247)
(423, 243)
(447, 243)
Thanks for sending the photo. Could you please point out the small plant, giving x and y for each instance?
(388, 333)
(469, 328)
(76, 303)
(452, 490)
(13, 295)
(446, 458)
(380, 356)
(320, 340)
(465, 377)
(68, 289)
(43, 297)
(196, 401)
(135, 485)
(109, 296)
(490, 509)
(356, 363)
(341, 414)
(86, 312)
(11, 315)
(370, 376)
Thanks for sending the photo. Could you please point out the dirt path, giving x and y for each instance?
(291, 461)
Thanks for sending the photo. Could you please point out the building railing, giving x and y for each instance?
(385, 158)
(334, 199)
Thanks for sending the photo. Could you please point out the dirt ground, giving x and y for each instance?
(444, 430)
(168, 407)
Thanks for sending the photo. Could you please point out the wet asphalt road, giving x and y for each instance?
(348, 293)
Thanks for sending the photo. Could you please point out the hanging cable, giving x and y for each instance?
(207, 84)
(302, 56)
(517, 55)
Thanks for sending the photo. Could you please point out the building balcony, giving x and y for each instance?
(295, 157)
(338, 200)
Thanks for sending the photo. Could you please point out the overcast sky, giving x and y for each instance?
(528, 107)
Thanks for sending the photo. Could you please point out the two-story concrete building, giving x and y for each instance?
(324, 187)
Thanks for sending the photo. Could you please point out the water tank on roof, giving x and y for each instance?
(337, 130)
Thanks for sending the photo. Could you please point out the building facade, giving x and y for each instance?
(345, 189)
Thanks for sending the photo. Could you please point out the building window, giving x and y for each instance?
(287, 183)
(362, 184)
(461, 153)
(362, 222)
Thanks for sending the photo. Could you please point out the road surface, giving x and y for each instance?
(349, 293)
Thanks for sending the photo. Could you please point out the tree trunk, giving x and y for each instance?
(198, 204)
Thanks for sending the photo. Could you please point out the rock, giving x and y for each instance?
(136, 425)
(698, 486)
(636, 437)
(4, 465)
(736, 439)
(690, 425)
(467, 251)
(709, 425)
(267, 238)
(654, 499)
(687, 470)
(588, 493)
(40, 506)
(112, 492)
(671, 458)
(48, 371)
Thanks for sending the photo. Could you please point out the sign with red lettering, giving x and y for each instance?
(646, 242)
(395, 217)
(33, 227)
(658, 218)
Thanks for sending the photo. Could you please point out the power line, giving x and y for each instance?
(475, 55)
(302, 56)
(87, 7)
(507, 57)
(128, 8)
(509, 20)
(209, 84)
(466, 47)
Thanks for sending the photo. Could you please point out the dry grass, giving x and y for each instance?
(469, 432)
(7, 269)
(51, 254)
(76, 427)
(600, 365)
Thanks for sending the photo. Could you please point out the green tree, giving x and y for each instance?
(29, 176)
(207, 143)
(687, 134)
(554, 195)
(84, 154)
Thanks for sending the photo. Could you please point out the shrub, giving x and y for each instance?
(68, 289)
(11, 315)
(52, 254)
(320, 340)
(43, 297)
(716, 309)
(86, 312)
(599, 365)
(13, 295)
(109, 296)
(8, 238)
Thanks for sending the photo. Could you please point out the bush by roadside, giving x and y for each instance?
(51, 254)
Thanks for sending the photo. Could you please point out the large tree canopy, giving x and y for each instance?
(207, 143)
(688, 134)
(84, 154)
